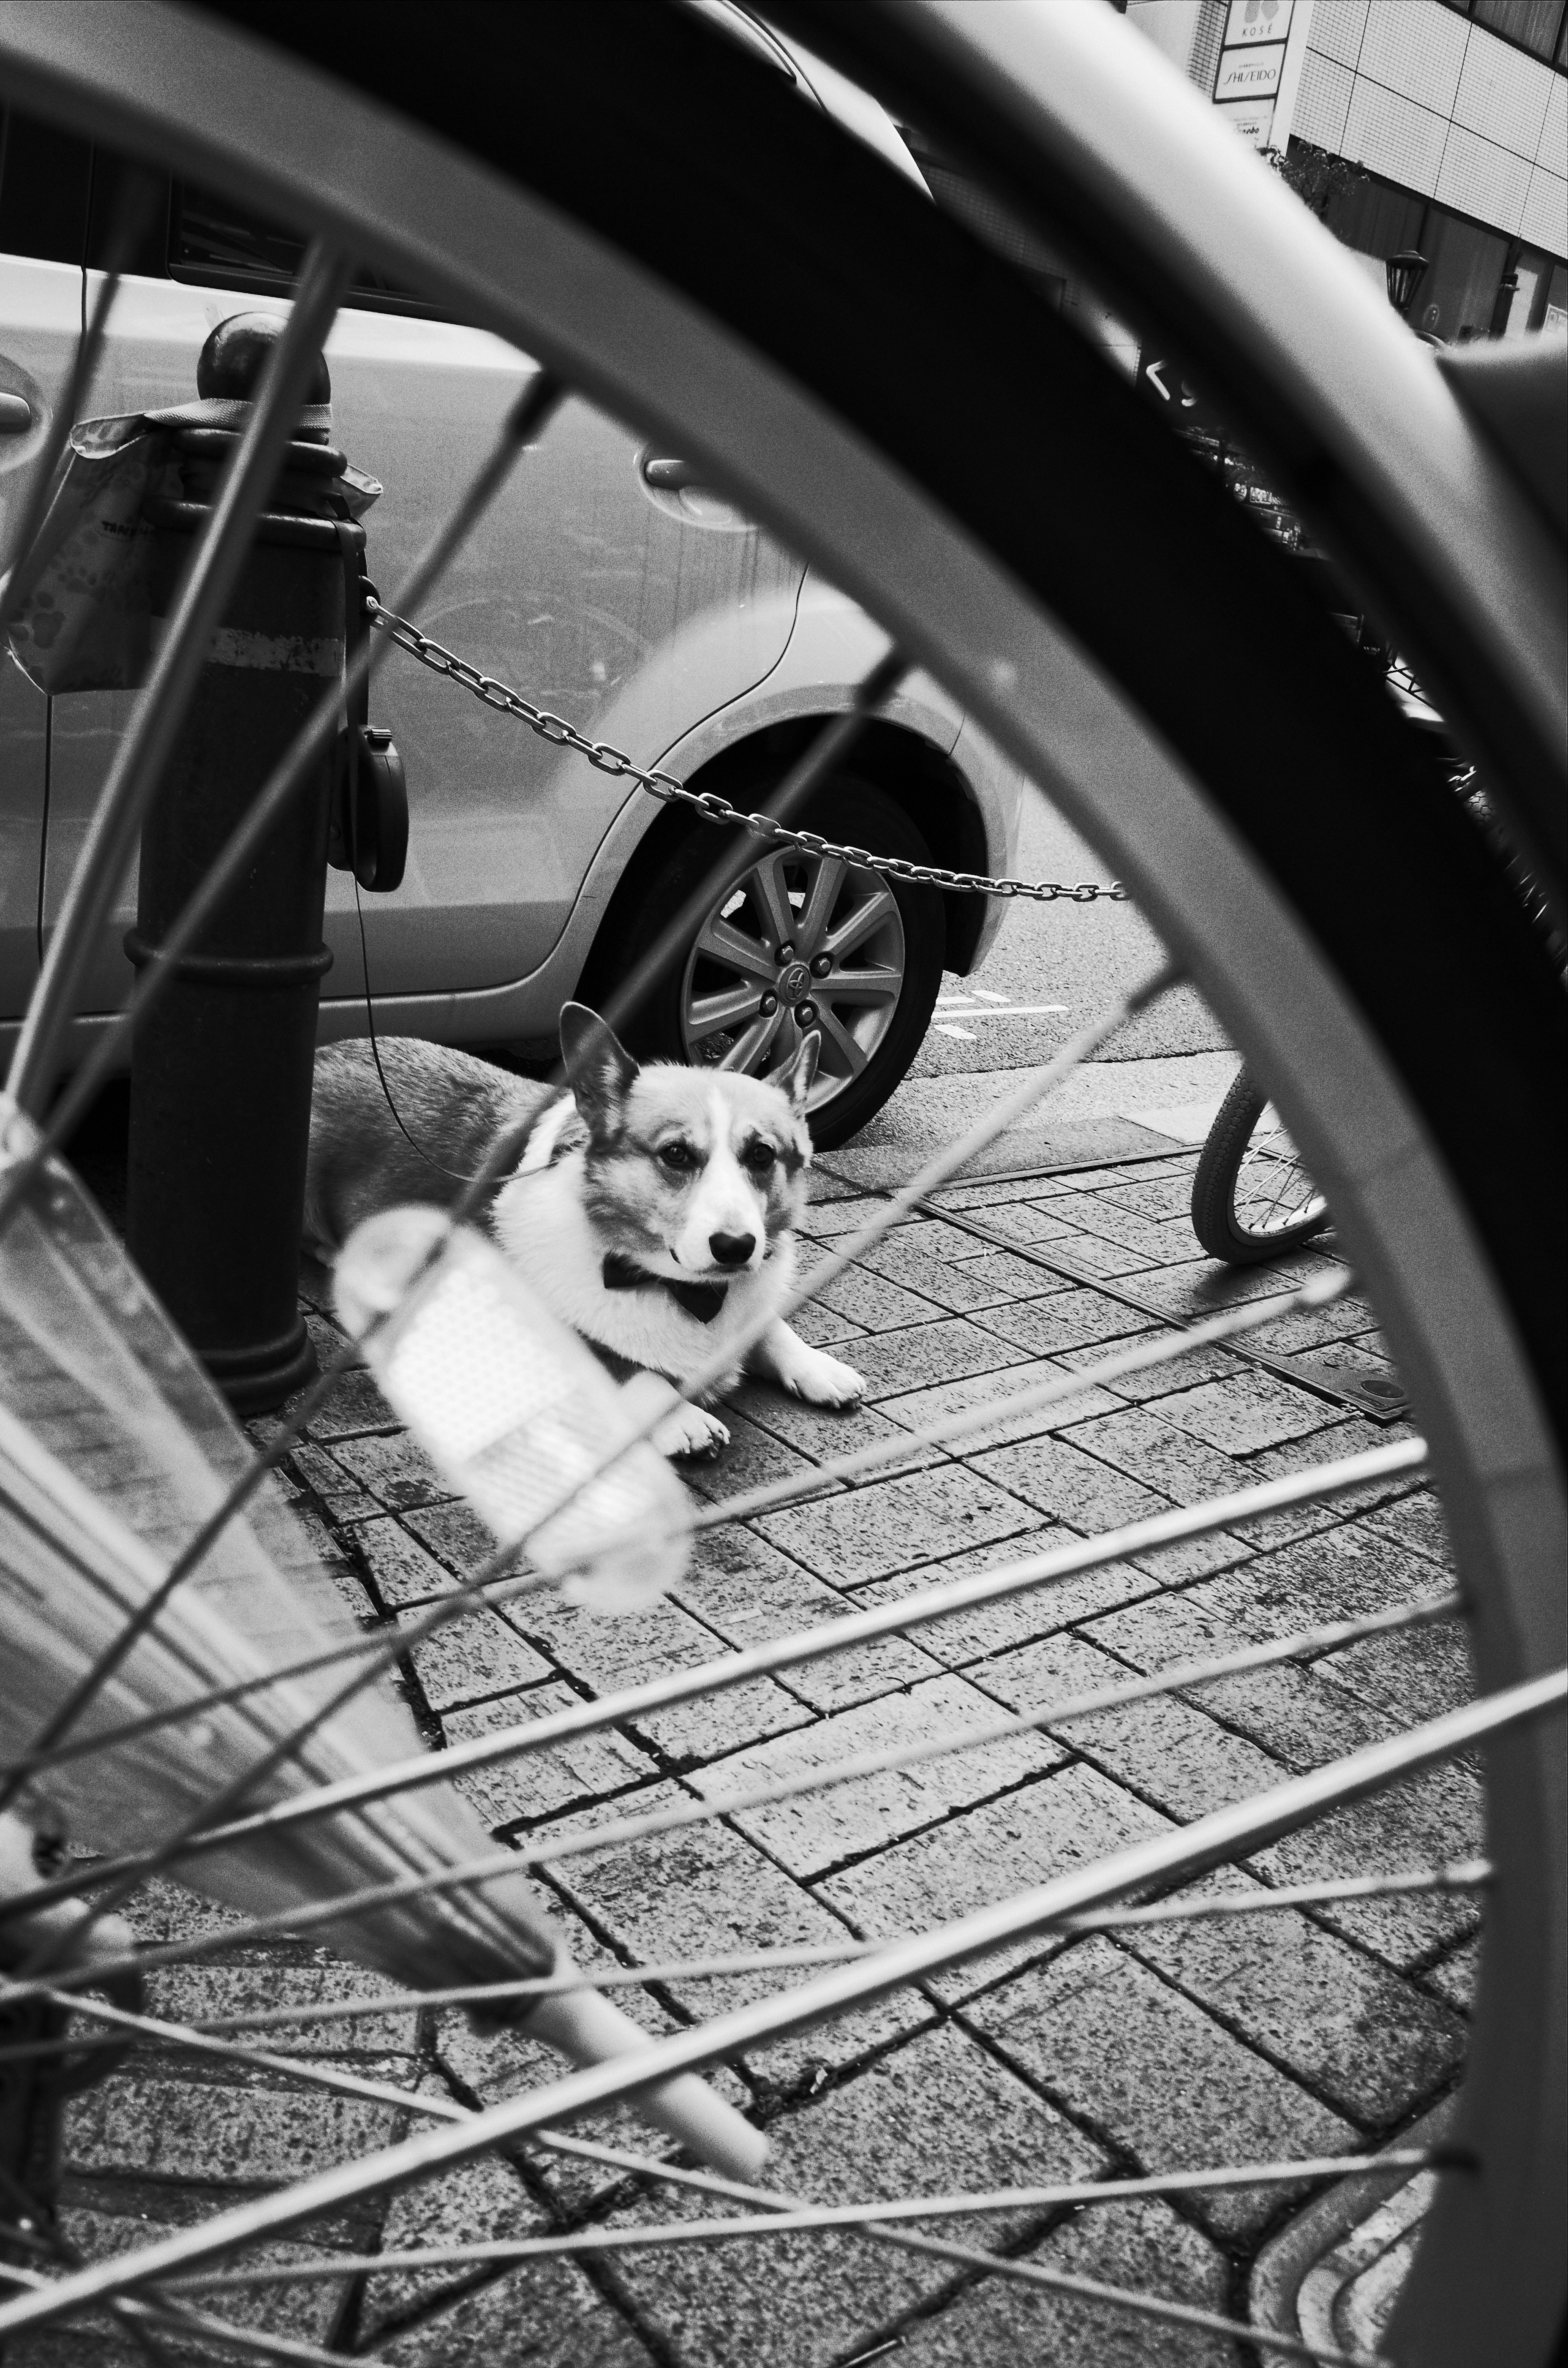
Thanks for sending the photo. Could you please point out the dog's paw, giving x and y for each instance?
(689, 1431)
(822, 1380)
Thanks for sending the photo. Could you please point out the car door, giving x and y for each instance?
(631, 606)
(43, 212)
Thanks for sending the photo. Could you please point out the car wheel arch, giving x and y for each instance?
(920, 777)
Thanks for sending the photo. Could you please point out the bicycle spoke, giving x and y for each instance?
(760, 1660)
(1220, 1835)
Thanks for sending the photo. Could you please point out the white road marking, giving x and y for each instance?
(968, 1034)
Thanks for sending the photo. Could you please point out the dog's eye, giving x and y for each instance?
(759, 1158)
(679, 1156)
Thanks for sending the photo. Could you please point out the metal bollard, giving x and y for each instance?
(221, 1069)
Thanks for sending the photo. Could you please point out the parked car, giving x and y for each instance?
(608, 582)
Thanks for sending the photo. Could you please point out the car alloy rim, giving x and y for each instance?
(804, 941)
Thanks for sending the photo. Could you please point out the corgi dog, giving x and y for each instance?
(654, 1210)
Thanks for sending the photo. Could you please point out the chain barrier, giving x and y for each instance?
(706, 803)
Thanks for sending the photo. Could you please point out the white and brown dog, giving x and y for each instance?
(654, 1210)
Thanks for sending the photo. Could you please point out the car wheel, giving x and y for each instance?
(803, 941)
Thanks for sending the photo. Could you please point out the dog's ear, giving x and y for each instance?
(795, 1082)
(600, 1068)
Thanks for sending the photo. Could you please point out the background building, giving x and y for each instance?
(1440, 125)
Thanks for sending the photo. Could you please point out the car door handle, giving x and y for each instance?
(670, 475)
(15, 414)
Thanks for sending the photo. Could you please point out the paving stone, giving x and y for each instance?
(1455, 1978)
(1096, 1254)
(837, 1212)
(1152, 1196)
(342, 1579)
(1140, 1442)
(341, 1495)
(355, 1404)
(961, 1637)
(802, 2302)
(820, 1829)
(1163, 1748)
(454, 1534)
(1339, 1574)
(1155, 1242)
(754, 1459)
(1415, 1521)
(199, 1992)
(402, 1570)
(1310, 1328)
(484, 2066)
(871, 1301)
(1095, 1498)
(1429, 1820)
(706, 1890)
(957, 1280)
(1059, 1478)
(546, 2312)
(1157, 1382)
(1202, 1287)
(607, 1654)
(1140, 2247)
(748, 1593)
(821, 1434)
(1240, 1416)
(1019, 1221)
(1370, 2043)
(470, 1659)
(1415, 1673)
(195, 2128)
(1074, 1319)
(923, 1354)
(306, 2309)
(394, 1471)
(869, 1532)
(540, 1782)
(918, 1408)
(821, 1329)
(1296, 1711)
(1349, 1436)
(1111, 2041)
(986, 1855)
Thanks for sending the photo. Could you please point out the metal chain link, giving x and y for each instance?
(705, 803)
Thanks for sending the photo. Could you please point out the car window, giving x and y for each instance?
(44, 178)
(212, 242)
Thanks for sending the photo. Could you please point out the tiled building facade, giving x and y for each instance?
(1455, 111)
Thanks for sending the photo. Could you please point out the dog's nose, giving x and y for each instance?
(732, 1249)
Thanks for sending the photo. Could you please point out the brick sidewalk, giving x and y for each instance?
(1181, 2045)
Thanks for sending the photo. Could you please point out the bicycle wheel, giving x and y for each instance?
(676, 244)
(1252, 1199)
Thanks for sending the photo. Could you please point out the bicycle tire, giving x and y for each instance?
(717, 229)
(1217, 1219)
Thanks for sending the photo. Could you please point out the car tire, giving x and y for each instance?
(872, 1025)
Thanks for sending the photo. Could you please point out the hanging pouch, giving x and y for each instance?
(369, 830)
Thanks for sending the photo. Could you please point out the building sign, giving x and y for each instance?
(1251, 72)
(1259, 67)
(1258, 21)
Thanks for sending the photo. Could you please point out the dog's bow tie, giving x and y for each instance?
(702, 1299)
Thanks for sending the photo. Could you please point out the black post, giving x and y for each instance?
(222, 1068)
